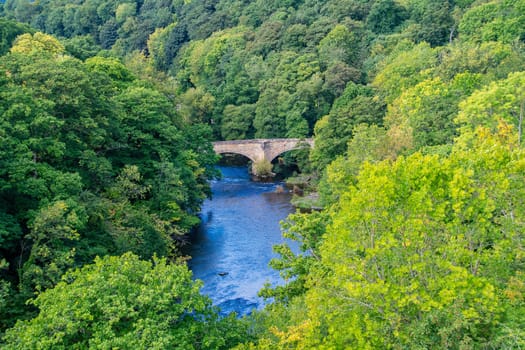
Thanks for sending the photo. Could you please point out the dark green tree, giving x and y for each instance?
(355, 106)
(384, 16)
(9, 30)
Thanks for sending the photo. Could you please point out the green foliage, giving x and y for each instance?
(369, 143)
(307, 230)
(53, 231)
(498, 20)
(93, 161)
(164, 44)
(268, 122)
(9, 30)
(427, 110)
(81, 47)
(219, 63)
(111, 67)
(340, 45)
(197, 105)
(415, 251)
(355, 106)
(384, 16)
(37, 44)
(418, 253)
(502, 101)
(262, 168)
(217, 48)
(404, 69)
(237, 122)
(125, 302)
(125, 10)
(432, 21)
(495, 60)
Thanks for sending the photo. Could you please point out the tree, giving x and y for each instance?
(337, 75)
(290, 101)
(9, 30)
(81, 47)
(497, 20)
(433, 22)
(307, 230)
(340, 45)
(340, 9)
(418, 253)
(268, 122)
(38, 42)
(495, 60)
(428, 109)
(403, 69)
(266, 38)
(53, 231)
(237, 122)
(129, 303)
(108, 34)
(125, 10)
(355, 106)
(294, 37)
(164, 44)
(384, 16)
(111, 67)
(501, 101)
(197, 105)
(369, 143)
(93, 161)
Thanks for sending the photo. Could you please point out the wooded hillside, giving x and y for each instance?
(416, 107)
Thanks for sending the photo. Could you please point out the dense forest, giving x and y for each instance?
(107, 113)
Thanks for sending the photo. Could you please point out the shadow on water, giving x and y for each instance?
(232, 247)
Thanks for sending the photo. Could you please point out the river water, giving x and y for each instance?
(233, 245)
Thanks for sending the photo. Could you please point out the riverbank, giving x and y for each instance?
(305, 195)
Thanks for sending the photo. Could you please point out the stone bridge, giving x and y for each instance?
(259, 149)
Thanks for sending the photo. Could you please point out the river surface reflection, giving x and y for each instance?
(233, 246)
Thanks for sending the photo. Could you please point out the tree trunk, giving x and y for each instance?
(520, 122)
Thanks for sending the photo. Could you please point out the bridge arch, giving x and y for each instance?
(261, 149)
(275, 150)
(244, 154)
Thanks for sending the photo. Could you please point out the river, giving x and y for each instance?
(232, 247)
